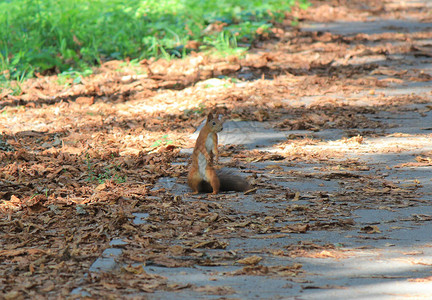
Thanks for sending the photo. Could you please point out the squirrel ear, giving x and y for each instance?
(210, 116)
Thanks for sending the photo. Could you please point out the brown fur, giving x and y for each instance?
(203, 177)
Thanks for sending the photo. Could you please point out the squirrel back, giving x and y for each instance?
(203, 177)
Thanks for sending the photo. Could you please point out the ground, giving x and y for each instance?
(330, 121)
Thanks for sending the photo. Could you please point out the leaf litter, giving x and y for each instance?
(77, 161)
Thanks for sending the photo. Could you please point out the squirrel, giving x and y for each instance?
(203, 176)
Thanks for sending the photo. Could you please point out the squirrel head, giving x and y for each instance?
(214, 123)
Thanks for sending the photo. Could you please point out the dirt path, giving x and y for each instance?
(333, 122)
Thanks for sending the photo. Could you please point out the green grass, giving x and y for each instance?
(100, 175)
(54, 36)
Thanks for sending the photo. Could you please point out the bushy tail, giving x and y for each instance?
(229, 181)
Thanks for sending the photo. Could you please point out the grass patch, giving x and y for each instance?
(55, 36)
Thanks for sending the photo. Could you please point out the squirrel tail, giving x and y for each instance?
(229, 181)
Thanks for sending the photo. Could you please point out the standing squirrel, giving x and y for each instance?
(203, 177)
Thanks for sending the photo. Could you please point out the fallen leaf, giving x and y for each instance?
(85, 100)
(214, 290)
(327, 286)
(250, 260)
(212, 244)
(177, 250)
(48, 286)
(295, 228)
(100, 187)
(424, 279)
(370, 229)
(13, 295)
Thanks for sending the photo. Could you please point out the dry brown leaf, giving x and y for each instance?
(250, 260)
(370, 229)
(85, 100)
(13, 295)
(214, 290)
(424, 279)
(100, 187)
(48, 286)
(212, 244)
(177, 250)
(283, 271)
(295, 228)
